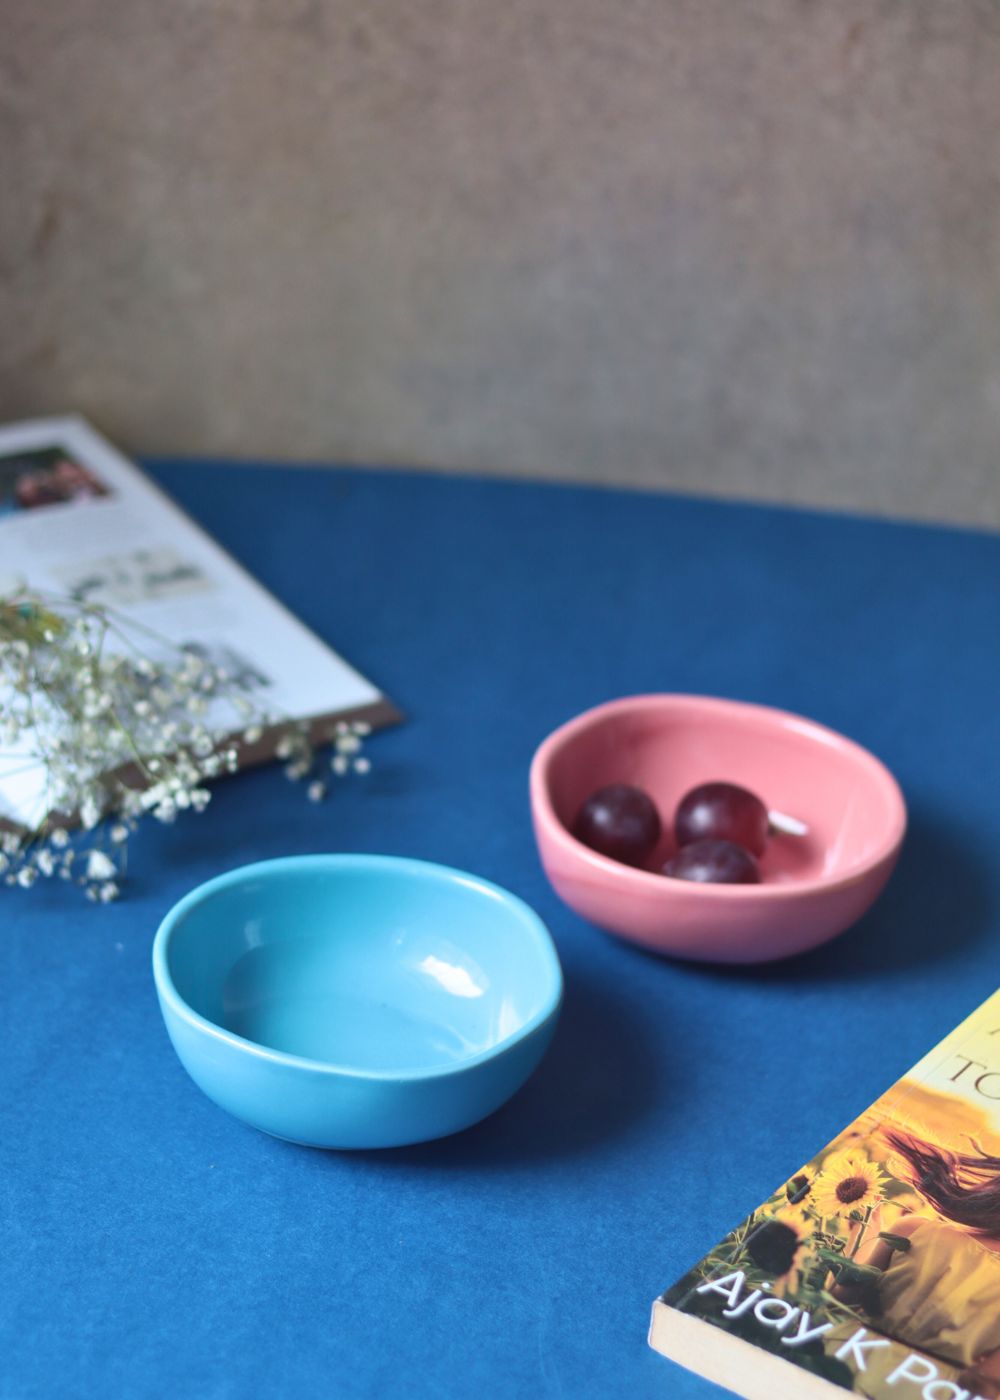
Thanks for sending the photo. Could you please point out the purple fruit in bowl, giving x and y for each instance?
(714, 863)
(722, 812)
(620, 822)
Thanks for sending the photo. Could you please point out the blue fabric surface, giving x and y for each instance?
(155, 1247)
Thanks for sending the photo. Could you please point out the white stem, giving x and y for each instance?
(788, 826)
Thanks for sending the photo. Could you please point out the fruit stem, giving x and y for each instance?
(788, 826)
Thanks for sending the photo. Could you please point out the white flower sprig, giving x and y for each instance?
(117, 734)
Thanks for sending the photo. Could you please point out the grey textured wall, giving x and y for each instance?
(747, 246)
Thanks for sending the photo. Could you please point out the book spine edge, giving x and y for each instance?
(736, 1365)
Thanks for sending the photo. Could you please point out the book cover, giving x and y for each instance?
(875, 1267)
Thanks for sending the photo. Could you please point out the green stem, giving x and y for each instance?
(859, 1238)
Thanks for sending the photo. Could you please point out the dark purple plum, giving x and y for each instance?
(714, 863)
(620, 822)
(722, 812)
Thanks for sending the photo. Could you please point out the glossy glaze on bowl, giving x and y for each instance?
(356, 1001)
(813, 887)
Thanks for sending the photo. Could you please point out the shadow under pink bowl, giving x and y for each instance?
(813, 887)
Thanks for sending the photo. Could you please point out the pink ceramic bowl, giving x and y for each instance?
(812, 888)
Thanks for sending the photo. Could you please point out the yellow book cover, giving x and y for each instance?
(875, 1268)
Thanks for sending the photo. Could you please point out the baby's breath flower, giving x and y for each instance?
(119, 735)
(100, 866)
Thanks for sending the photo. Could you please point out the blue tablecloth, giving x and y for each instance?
(153, 1246)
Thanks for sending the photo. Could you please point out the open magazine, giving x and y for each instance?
(875, 1268)
(80, 521)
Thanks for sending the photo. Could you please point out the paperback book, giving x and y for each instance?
(81, 522)
(875, 1268)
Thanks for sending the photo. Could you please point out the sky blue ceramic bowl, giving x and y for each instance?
(356, 1001)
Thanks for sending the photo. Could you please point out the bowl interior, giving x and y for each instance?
(369, 964)
(668, 745)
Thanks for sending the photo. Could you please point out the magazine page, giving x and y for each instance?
(79, 520)
(874, 1268)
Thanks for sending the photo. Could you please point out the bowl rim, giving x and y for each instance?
(346, 861)
(648, 880)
